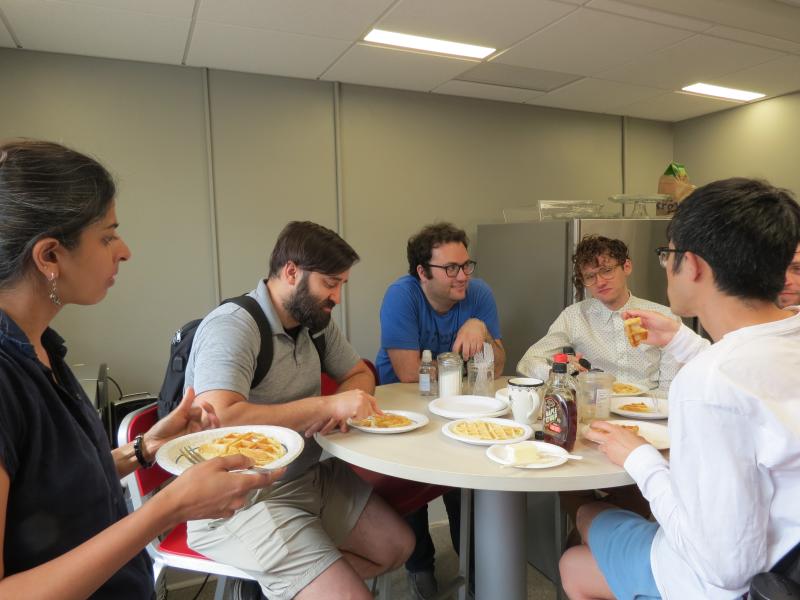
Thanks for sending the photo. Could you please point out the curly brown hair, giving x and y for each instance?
(421, 244)
(590, 248)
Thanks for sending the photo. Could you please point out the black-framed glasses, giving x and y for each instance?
(663, 253)
(452, 269)
(604, 273)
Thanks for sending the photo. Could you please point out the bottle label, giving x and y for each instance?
(425, 383)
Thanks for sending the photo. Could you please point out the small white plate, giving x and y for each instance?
(466, 407)
(419, 420)
(655, 433)
(169, 458)
(502, 395)
(641, 390)
(448, 430)
(553, 455)
(651, 413)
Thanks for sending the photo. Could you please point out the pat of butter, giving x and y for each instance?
(523, 454)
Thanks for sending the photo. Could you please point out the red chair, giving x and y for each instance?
(172, 550)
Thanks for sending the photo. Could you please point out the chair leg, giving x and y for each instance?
(219, 592)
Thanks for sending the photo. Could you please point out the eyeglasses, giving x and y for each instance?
(452, 269)
(663, 253)
(604, 273)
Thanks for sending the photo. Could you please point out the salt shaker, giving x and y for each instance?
(450, 368)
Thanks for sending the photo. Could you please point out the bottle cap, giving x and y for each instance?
(426, 356)
(569, 350)
(538, 434)
(560, 358)
(559, 367)
(585, 363)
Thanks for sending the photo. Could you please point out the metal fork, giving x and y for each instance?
(191, 454)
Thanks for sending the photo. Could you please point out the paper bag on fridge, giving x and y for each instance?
(675, 183)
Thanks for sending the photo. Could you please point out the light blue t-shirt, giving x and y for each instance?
(409, 322)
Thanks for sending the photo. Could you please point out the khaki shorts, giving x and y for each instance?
(292, 532)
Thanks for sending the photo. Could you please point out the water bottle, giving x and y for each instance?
(427, 375)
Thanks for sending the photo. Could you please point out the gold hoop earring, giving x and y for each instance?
(53, 291)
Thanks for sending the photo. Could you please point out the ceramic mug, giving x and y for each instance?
(524, 396)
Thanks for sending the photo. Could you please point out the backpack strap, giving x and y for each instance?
(264, 360)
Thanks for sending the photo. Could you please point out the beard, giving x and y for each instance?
(308, 310)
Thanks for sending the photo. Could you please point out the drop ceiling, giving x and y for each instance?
(606, 56)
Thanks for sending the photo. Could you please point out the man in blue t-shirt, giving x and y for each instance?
(436, 307)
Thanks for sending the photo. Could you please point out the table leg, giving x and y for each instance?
(500, 570)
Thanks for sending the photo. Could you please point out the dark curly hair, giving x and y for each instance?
(420, 245)
(590, 248)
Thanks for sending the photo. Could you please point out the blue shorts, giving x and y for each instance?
(620, 542)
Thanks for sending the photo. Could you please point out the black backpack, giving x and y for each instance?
(180, 347)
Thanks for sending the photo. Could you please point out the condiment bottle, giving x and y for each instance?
(560, 416)
(427, 375)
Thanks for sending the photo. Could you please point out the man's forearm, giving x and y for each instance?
(361, 380)
(297, 415)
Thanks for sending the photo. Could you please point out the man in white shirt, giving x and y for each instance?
(790, 294)
(593, 327)
(726, 501)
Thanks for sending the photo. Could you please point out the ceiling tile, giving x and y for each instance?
(675, 106)
(374, 65)
(84, 29)
(473, 21)
(595, 95)
(588, 41)
(756, 39)
(507, 75)
(173, 8)
(648, 14)
(779, 76)
(339, 19)
(488, 92)
(261, 51)
(699, 58)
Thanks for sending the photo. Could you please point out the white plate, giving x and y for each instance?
(556, 455)
(168, 456)
(653, 413)
(419, 420)
(447, 429)
(641, 389)
(655, 433)
(502, 395)
(467, 407)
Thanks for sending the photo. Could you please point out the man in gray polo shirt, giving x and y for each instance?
(318, 532)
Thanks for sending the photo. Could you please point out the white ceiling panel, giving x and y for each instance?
(97, 31)
(774, 78)
(260, 51)
(767, 17)
(486, 91)
(373, 65)
(495, 73)
(171, 8)
(699, 58)
(756, 39)
(339, 19)
(597, 95)
(588, 41)
(469, 21)
(648, 14)
(675, 106)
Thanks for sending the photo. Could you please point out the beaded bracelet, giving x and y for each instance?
(137, 450)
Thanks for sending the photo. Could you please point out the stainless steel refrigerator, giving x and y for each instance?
(528, 266)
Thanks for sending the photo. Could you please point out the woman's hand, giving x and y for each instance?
(209, 490)
(188, 417)
(614, 441)
(660, 328)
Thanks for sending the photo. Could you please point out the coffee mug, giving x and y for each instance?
(524, 398)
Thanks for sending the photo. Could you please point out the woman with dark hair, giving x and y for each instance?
(63, 519)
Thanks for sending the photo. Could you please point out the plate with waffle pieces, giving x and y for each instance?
(487, 431)
(641, 407)
(391, 421)
(270, 447)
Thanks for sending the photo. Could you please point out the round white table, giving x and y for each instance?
(428, 456)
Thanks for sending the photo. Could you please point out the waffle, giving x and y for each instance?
(261, 448)
(634, 331)
(624, 388)
(635, 407)
(486, 430)
(384, 421)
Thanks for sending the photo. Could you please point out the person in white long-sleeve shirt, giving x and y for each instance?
(593, 327)
(725, 502)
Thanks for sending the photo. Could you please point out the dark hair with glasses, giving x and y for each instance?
(589, 250)
(420, 246)
(311, 247)
(745, 229)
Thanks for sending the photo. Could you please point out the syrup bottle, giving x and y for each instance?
(560, 417)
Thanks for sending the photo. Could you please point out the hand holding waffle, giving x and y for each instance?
(351, 404)
(660, 328)
(614, 441)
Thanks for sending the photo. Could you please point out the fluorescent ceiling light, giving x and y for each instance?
(706, 89)
(392, 38)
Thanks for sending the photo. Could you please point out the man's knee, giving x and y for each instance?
(585, 516)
